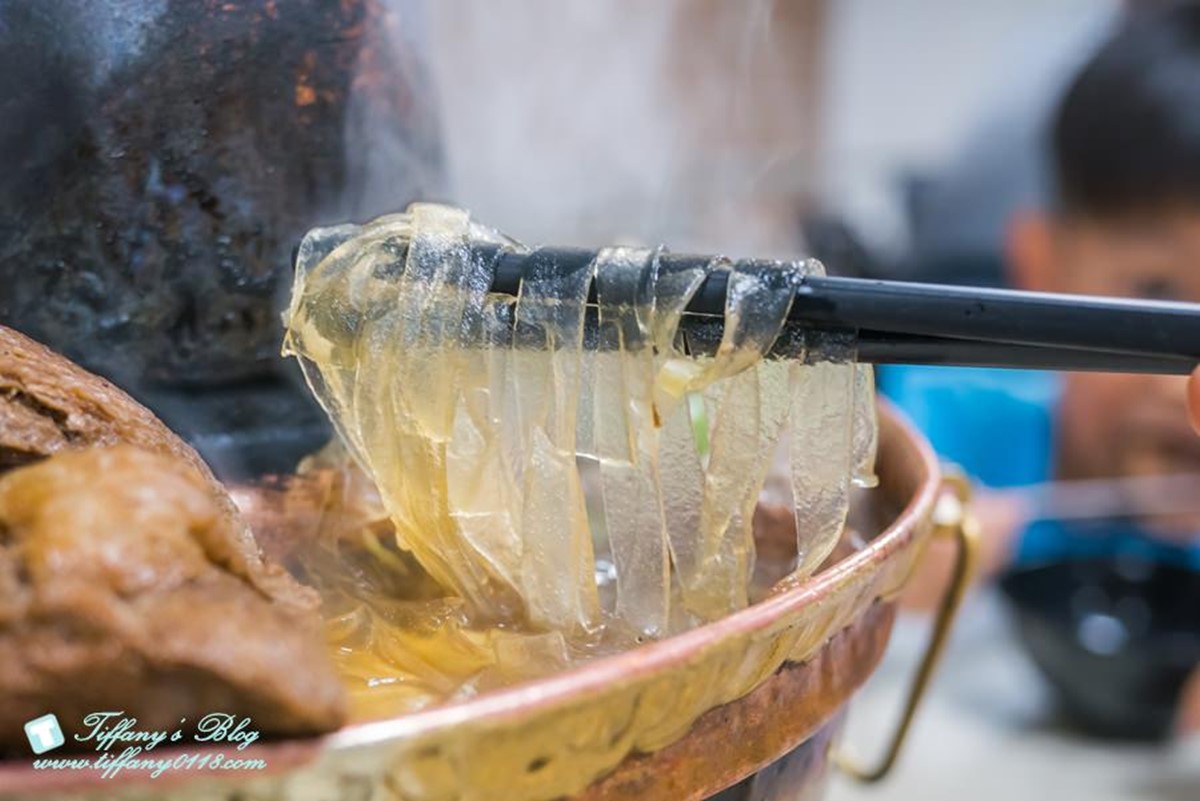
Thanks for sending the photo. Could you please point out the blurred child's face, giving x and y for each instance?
(1117, 425)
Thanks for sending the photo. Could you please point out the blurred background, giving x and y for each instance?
(710, 124)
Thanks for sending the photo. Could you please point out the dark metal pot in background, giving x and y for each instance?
(160, 160)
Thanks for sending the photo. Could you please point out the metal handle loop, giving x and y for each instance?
(952, 519)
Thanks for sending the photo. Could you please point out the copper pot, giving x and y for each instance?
(742, 708)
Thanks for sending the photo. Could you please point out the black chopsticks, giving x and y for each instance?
(885, 347)
(910, 323)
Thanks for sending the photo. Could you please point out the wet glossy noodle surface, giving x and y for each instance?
(530, 481)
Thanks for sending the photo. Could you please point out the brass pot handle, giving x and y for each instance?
(952, 518)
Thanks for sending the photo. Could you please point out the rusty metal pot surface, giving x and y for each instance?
(161, 160)
(683, 718)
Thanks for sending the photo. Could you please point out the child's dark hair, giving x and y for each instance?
(1126, 140)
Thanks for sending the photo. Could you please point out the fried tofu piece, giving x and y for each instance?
(123, 586)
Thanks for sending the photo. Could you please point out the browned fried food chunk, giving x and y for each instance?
(122, 588)
(49, 404)
(128, 580)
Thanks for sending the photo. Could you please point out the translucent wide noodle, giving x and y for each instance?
(557, 564)
(822, 452)
(569, 479)
(627, 439)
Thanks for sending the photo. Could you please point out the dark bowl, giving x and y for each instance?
(1117, 639)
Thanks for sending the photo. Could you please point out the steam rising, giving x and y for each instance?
(684, 121)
